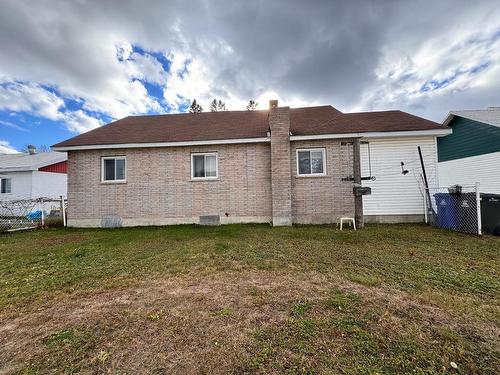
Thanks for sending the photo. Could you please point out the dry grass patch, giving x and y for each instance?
(264, 322)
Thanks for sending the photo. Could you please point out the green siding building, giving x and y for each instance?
(469, 138)
(471, 154)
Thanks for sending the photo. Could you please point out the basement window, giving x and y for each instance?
(311, 162)
(204, 166)
(113, 169)
(6, 186)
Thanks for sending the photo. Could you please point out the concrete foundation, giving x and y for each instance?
(98, 223)
(394, 219)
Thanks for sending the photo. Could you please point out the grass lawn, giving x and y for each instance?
(249, 299)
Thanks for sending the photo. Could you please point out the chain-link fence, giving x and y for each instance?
(454, 207)
(21, 214)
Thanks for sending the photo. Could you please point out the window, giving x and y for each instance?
(113, 169)
(204, 166)
(311, 162)
(5, 186)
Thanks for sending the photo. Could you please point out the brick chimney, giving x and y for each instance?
(279, 125)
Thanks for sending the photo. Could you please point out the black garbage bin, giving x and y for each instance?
(490, 213)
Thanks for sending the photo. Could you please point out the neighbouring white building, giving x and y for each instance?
(33, 175)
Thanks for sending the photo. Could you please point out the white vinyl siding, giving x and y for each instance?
(204, 166)
(34, 184)
(21, 185)
(47, 184)
(484, 169)
(392, 192)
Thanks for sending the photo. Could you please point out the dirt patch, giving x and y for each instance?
(185, 324)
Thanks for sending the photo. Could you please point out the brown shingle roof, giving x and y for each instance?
(243, 124)
(382, 121)
(176, 128)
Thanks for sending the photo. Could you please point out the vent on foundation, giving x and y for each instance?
(210, 220)
(111, 221)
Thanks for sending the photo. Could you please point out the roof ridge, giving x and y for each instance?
(383, 111)
(489, 109)
(195, 114)
(489, 116)
(315, 106)
(228, 111)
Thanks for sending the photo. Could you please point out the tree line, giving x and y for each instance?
(219, 106)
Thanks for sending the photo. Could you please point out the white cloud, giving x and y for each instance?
(188, 79)
(38, 101)
(122, 98)
(31, 98)
(6, 148)
(79, 122)
(123, 51)
(178, 61)
(442, 74)
(147, 68)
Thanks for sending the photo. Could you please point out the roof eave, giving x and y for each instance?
(448, 118)
(161, 144)
(403, 133)
(17, 169)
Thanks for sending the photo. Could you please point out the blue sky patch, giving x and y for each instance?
(434, 84)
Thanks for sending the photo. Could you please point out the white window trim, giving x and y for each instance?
(7, 192)
(120, 157)
(322, 149)
(193, 154)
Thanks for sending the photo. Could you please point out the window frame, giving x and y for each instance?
(115, 181)
(323, 151)
(9, 185)
(205, 154)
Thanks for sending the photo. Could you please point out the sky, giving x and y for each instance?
(67, 67)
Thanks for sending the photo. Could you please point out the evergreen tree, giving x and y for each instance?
(217, 106)
(195, 107)
(213, 105)
(252, 104)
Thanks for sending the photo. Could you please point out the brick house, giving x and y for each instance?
(280, 165)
